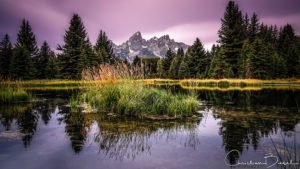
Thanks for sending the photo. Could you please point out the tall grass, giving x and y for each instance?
(129, 98)
(123, 95)
(112, 72)
(9, 95)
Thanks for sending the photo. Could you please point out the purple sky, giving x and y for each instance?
(183, 20)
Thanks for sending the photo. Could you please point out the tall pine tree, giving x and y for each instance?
(26, 38)
(104, 49)
(197, 60)
(288, 49)
(46, 63)
(253, 28)
(231, 36)
(247, 52)
(72, 59)
(183, 71)
(167, 61)
(5, 56)
(261, 62)
(22, 64)
(219, 67)
(88, 55)
(173, 70)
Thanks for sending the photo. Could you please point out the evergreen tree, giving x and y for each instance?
(149, 65)
(53, 67)
(247, 23)
(268, 34)
(298, 57)
(219, 68)
(183, 71)
(275, 35)
(232, 35)
(137, 61)
(45, 61)
(261, 62)
(104, 49)
(180, 52)
(88, 55)
(167, 61)
(279, 69)
(72, 59)
(288, 49)
(26, 38)
(244, 62)
(197, 60)
(5, 56)
(160, 69)
(253, 27)
(173, 71)
(21, 66)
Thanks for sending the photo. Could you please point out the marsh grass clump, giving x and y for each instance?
(125, 93)
(112, 72)
(130, 98)
(10, 95)
(74, 103)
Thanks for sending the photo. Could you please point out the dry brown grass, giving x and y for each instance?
(114, 72)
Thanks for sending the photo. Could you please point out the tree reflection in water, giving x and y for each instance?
(119, 138)
(75, 128)
(247, 117)
(26, 117)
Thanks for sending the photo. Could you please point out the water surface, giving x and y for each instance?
(237, 126)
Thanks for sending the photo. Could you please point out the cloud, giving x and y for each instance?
(182, 20)
(283, 20)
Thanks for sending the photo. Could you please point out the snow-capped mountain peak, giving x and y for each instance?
(154, 47)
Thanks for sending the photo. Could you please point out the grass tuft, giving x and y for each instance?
(130, 98)
(9, 95)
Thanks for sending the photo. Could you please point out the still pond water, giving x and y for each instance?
(237, 127)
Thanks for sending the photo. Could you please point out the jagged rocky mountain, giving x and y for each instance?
(154, 47)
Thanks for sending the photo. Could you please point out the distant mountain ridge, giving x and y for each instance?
(154, 47)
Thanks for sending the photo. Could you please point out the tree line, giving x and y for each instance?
(26, 61)
(246, 48)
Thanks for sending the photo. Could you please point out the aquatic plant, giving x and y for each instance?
(10, 94)
(130, 98)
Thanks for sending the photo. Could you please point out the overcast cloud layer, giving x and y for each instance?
(183, 20)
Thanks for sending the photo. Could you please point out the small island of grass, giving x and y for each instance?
(134, 99)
